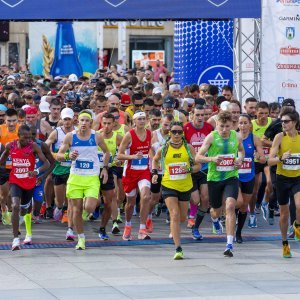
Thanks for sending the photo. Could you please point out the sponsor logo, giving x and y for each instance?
(290, 33)
(280, 99)
(290, 50)
(217, 3)
(12, 3)
(218, 75)
(289, 2)
(288, 66)
(289, 84)
(289, 18)
(115, 3)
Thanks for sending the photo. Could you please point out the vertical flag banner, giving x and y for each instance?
(63, 48)
(203, 52)
(280, 62)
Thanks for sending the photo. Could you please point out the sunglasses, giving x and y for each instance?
(286, 121)
(179, 132)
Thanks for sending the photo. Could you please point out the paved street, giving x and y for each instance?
(130, 270)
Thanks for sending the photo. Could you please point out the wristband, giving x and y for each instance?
(66, 156)
(37, 171)
(154, 172)
(190, 169)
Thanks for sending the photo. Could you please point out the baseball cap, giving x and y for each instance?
(57, 78)
(125, 100)
(3, 107)
(67, 113)
(52, 93)
(37, 98)
(44, 107)
(224, 105)
(73, 77)
(288, 102)
(44, 99)
(70, 96)
(11, 77)
(168, 102)
(157, 90)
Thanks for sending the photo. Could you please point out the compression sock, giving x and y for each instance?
(27, 220)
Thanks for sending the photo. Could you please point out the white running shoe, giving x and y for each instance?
(16, 245)
(28, 240)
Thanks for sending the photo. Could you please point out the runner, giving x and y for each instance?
(195, 133)
(252, 144)
(135, 149)
(22, 177)
(285, 153)
(84, 180)
(222, 146)
(177, 160)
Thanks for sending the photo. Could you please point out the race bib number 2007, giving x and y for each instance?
(227, 163)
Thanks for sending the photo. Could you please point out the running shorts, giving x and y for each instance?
(286, 187)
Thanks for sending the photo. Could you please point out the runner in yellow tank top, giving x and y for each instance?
(285, 153)
(177, 159)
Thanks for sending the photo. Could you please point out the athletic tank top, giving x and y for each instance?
(247, 170)
(260, 131)
(39, 133)
(129, 110)
(174, 177)
(121, 130)
(111, 144)
(176, 115)
(7, 137)
(289, 167)
(160, 142)
(196, 137)
(62, 167)
(23, 161)
(87, 162)
(227, 148)
(52, 124)
(138, 165)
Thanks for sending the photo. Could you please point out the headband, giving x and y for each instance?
(174, 87)
(139, 115)
(85, 114)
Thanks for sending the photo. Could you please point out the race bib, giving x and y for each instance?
(177, 171)
(246, 167)
(266, 150)
(84, 164)
(101, 162)
(21, 172)
(140, 164)
(292, 163)
(66, 163)
(227, 163)
(197, 146)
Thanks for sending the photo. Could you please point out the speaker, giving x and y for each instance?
(4, 31)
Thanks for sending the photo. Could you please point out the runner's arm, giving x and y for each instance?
(96, 123)
(37, 150)
(201, 157)
(52, 138)
(124, 145)
(65, 146)
(46, 151)
(196, 167)
(102, 145)
(273, 158)
(258, 145)
(266, 142)
(119, 140)
(156, 159)
(4, 154)
(241, 152)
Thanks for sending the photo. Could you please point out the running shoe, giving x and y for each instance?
(85, 215)
(64, 218)
(143, 235)
(36, 219)
(238, 238)
(257, 209)
(127, 233)
(70, 236)
(96, 214)
(228, 251)
(149, 225)
(271, 217)
(157, 209)
(119, 219)
(178, 255)
(27, 240)
(57, 214)
(190, 223)
(6, 218)
(43, 209)
(291, 232)
(81, 244)
(265, 209)
(286, 251)
(103, 236)
(170, 236)
(168, 219)
(223, 220)
(297, 232)
(115, 228)
(277, 212)
(252, 221)
(218, 227)
(16, 245)
(49, 213)
(196, 234)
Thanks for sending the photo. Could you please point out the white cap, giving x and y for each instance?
(190, 101)
(157, 90)
(25, 106)
(73, 77)
(224, 105)
(67, 113)
(44, 107)
(40, 81)
(44, 99)
(107, 95)
(11, 77)
(57, 78)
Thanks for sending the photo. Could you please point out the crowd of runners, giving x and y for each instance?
(79, 149)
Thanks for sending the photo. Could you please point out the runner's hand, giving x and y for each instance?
(154, 179)
(216, 159)
(286, 155)
(39, 181)
(73, 155)
(32, 174)
(138, 156)
(104, 176)
(238, 162)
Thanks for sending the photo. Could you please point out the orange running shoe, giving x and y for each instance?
(143, 235)
(43, 209)
(149, 225)
(191, 223)
(127, 233)
(65, 217)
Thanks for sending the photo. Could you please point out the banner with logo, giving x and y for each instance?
(203, 52)
(127, 9)
(280, 62)
(63, 48)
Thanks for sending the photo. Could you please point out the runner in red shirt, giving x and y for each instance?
(23, 176)
(135, 149)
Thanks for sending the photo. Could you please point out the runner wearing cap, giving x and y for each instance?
(84, 180)
(23, 176)
(168, 108)
(135, 149)
(61, 171)
(3, 110)
(285, 153)
(8, 133)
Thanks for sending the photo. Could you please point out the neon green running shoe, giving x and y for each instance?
(81, 244)
(85, 215)
(178, 255)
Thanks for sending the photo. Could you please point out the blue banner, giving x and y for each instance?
(203, 52)
(127, 9)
